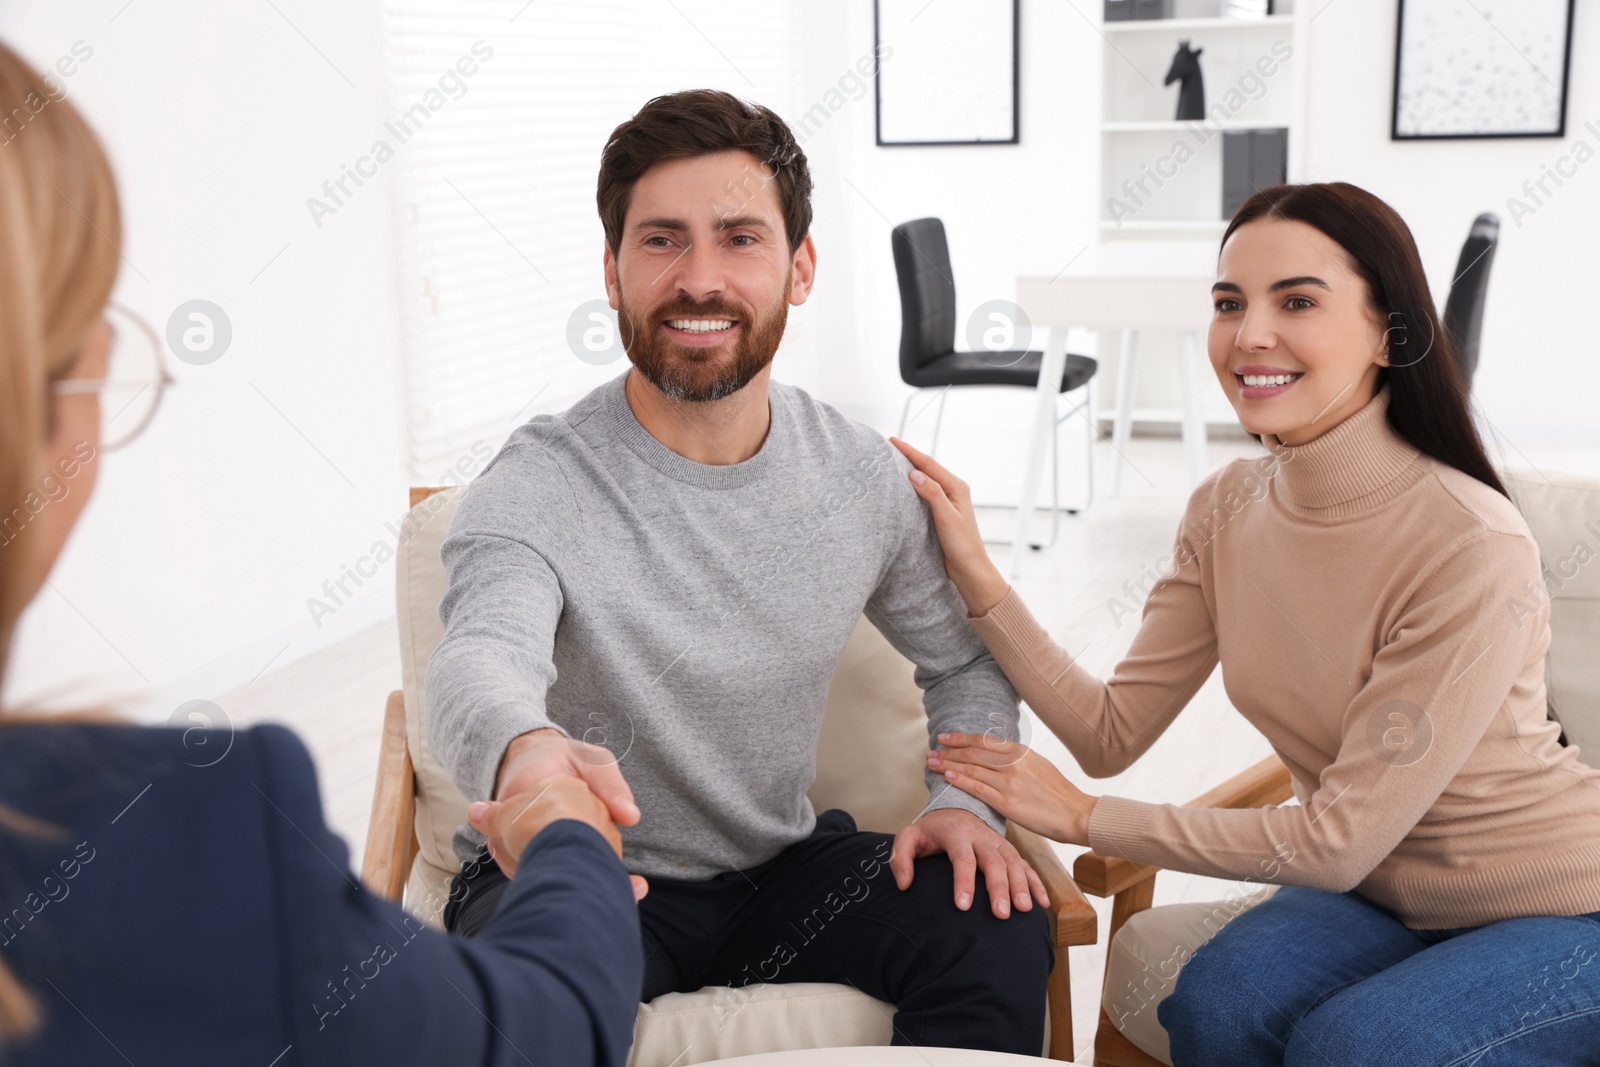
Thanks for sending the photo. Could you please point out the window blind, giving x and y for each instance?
(504, 107)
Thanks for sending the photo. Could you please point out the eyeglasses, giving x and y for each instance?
(135, 379)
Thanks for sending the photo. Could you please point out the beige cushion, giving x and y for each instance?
(1144, 960)
(870, 761)
(419, 587)
(1563, 511)
(722, 1022)
(874, 743)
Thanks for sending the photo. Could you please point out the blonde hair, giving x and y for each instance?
(60, 228)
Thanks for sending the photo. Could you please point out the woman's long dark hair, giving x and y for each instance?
(1427, 395)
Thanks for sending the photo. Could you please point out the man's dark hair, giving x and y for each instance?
(700, 122)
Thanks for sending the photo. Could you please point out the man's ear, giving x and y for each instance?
(804, 269)
(613, 290)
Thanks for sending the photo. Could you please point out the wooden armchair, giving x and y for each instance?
(1131, 887)
(870, 763)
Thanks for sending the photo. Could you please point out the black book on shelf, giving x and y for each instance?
(1152, 9)
(1251, 160)
(1119, 10)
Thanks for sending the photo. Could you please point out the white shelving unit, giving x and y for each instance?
(1162, 178)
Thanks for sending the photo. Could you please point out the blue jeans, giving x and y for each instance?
(1330, 979)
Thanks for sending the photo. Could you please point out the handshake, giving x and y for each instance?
(546, 776)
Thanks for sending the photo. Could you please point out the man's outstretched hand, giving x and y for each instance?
(971, 846)
(533, 758)
(514, 820)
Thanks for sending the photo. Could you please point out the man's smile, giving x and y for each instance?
(700, 332)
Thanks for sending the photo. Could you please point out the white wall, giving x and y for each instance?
(191, 568)
(1008, 209)
(1539, 377)
(192, 571)
(1027, 208)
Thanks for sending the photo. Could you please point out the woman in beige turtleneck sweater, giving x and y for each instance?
(1376, 603)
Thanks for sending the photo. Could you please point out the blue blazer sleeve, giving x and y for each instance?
(554, 978)
(184, 910)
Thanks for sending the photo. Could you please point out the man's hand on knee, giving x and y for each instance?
(971, 846)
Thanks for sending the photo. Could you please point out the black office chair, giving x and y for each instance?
(928, 356)
(1463, 309)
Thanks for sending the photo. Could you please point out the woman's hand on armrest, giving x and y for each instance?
(511, 822)
(966, 561)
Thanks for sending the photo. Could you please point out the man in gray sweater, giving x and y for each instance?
(651, 590)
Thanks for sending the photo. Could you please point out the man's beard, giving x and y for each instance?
(684, 372)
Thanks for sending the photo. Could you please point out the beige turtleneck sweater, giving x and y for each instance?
(1380, 617)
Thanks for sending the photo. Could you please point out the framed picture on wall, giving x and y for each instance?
(947, 71)
(1481, 68)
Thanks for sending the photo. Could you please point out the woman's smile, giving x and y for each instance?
(1258, 382)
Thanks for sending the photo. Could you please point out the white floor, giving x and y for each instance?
(335, 699)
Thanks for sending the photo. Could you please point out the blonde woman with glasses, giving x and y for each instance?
(153, 911)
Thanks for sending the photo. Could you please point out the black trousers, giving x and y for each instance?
(827, 909)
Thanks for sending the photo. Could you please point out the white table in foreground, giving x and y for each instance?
(882, 1056)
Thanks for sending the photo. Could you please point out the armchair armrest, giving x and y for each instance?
(392, 829)
(1073, 918)
(1132, 885)
(1259, 786)
(1262, 785)
(1072, 922)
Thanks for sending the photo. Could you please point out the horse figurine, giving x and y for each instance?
(1192, 93)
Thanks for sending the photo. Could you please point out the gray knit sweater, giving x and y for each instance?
(688, 617)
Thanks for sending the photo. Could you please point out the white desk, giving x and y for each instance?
(882, 1056)
(1131, 287)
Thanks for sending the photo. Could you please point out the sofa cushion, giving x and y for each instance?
(1563, 511)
